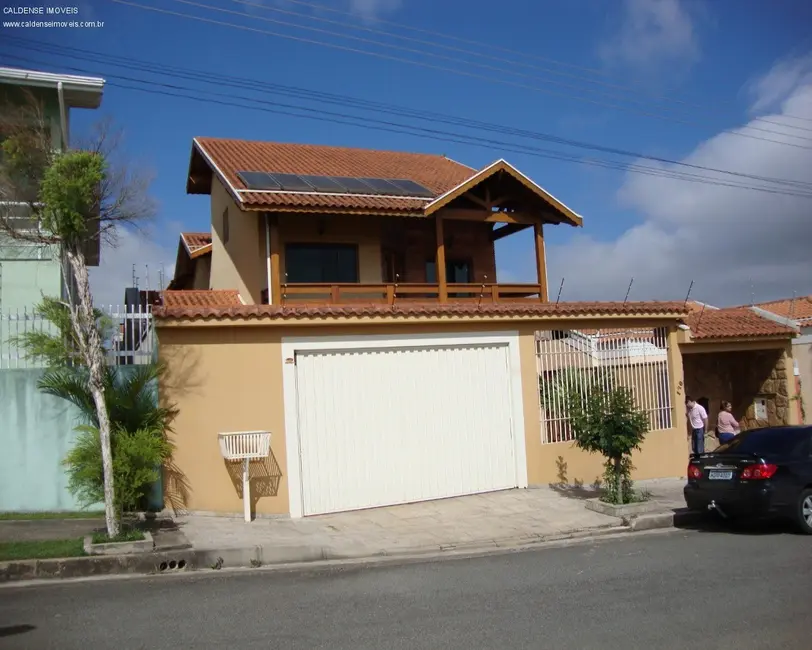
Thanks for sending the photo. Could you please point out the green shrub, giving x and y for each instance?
(137, 458)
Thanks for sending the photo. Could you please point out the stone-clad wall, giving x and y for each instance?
(739, 377)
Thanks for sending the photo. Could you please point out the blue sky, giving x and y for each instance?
(721, 63)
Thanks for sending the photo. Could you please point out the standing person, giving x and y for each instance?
(698, 421)
(726, 425)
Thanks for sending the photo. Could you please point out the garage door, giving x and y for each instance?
(395, 425)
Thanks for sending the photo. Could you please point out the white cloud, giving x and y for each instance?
(652, 33)
(115, 273)
(732, 242)
(770, 90)
(372, 9)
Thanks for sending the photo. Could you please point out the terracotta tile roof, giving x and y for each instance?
(733, 322)
(417, 310)
(800, 309)
(200, 299)
(196, 243)
(436, 173)
(291, 201)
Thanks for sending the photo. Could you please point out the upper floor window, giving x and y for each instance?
(321, 263)
(225, 226)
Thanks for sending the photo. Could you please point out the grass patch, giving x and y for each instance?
(28, 516)
(126, 535)
(41, 549)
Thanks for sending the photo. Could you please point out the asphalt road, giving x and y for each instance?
(683, 590)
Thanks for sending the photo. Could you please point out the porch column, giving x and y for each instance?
(275, 288)
(541, 265)
(440, 260)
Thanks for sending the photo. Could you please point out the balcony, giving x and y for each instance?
(394, 293)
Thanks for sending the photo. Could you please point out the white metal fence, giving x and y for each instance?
(571, 361)
(131, 339)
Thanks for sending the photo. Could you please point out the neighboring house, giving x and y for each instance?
(27, 271)
(348, 302)
(742, 355)
(799, 312)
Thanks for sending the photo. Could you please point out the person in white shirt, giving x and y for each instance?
(698, 421)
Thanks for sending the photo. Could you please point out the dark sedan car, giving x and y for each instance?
(762, 472)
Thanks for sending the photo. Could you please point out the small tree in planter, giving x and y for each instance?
(606, 421)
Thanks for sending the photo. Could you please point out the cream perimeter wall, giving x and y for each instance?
(229, 378)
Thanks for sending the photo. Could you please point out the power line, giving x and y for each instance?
(433, 134)
(434, 67)
(483, 54)
(345, 101)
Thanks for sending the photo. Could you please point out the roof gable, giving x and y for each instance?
(502, 166)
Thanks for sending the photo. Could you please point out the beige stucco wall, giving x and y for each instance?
(202, 276)
(241, 263)
(365, 231)
(229, 378)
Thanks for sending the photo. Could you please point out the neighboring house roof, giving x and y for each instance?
(196, 243)
(178, 307)
(733, 323)
(798, 309)
(79, 91)
(445, 178)
(203, 299)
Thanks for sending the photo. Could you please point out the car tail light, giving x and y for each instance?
(759, 471)
(694, 471)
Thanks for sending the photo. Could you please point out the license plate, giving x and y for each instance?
(717, 475)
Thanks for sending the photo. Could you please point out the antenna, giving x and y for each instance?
(688, 295)
(135, 279)
(561, 286)
(752, 294)
(146, 266)
(627, 292)
(792, 306)
(161, 278)
(699, 320)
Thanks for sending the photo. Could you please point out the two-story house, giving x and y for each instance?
(29, 271)
(347, 301)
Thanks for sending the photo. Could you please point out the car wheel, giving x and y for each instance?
(804, 513)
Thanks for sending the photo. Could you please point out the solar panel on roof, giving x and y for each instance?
(410, 187)
(258, 181)
(382, 186)
(353, 185)
(322, 183)
(291, 182)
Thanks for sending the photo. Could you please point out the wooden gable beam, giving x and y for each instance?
(463, 214)
(508, 229)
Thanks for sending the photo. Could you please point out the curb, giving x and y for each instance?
(187, 560)
(672, 519)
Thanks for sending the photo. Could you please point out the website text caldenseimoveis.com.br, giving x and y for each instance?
(39, 17)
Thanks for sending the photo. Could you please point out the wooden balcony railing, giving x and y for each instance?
(391, 294)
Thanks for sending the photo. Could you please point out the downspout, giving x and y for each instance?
(63, 116)
(268, 256)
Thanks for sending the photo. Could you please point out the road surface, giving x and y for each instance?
(682, 590)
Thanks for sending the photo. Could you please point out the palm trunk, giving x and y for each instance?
(87, 332)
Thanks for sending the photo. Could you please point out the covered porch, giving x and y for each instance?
(444, 254)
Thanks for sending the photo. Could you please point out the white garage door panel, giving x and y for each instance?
(386, 426)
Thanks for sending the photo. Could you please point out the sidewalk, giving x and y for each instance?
(499, 519)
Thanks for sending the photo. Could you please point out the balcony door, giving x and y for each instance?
(321, 263)
(456, 271)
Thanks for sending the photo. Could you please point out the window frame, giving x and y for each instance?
(324, 246)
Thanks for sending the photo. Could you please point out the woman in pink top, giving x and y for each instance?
(726, 425)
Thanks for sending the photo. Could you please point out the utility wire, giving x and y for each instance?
(494, 47)
(435, 67)
(434, 134)
(345, 101)
(483, 53)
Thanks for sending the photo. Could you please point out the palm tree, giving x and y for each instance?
(138, 425)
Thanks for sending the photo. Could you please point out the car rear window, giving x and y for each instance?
(765, 441)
